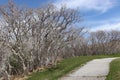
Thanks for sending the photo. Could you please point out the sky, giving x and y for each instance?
(96, 14)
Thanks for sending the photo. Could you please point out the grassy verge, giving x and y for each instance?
(114, 73)
(64, 67)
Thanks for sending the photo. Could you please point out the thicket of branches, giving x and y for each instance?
(35, 38)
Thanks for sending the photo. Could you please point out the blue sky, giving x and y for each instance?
(97, 14)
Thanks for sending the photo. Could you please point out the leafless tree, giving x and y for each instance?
(35, 38)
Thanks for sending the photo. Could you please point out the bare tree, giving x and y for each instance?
(35, 38)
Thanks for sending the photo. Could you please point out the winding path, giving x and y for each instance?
(96, 69)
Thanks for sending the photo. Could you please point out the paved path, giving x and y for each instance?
(96, 69)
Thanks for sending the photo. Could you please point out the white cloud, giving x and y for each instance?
(98, 5)
(107, 27)
(103, 21)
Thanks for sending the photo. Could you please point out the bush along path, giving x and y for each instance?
(96, 69)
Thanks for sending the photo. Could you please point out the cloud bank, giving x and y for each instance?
(97, 5)
(107, 27)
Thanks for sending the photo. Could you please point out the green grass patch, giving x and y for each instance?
(64, 67)
(114, 73)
